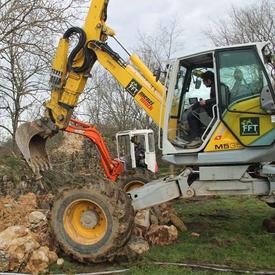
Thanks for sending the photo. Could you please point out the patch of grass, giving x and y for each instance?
(166, 270)
(230, 231)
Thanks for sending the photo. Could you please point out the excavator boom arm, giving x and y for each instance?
(70, 73)
(68, 80)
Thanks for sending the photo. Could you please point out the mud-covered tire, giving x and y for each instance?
(118, 219)
(135, 178)
(271, 204)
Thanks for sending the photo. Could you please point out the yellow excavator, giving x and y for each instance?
(235, 155)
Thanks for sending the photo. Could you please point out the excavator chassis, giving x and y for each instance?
(93, 224)
(218, 180)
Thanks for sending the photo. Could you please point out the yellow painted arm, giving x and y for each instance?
(138, 81)
(68, 79)
(69, 73)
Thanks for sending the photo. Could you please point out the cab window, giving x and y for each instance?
(151, 141)
(188, 90)
(124, 147)
(242, 73)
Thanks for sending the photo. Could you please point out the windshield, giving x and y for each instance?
(241, 72)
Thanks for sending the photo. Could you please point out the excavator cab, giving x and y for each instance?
(242, 118)
(136, 149)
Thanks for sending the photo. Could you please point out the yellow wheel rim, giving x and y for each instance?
(133, 185)
(85, 222)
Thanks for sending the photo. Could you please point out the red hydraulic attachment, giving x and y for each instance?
(112, 167)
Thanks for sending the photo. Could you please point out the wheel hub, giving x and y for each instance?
(89, 219)
(85, 222)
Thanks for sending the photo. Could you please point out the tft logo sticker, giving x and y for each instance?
(250, 126)
(133, 87)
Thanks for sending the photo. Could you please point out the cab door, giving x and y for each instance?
(242, 73)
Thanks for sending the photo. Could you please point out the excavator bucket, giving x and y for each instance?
(31, 141)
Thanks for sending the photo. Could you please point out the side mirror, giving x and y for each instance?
(197, 83)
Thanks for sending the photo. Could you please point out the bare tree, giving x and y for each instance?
(255, 22)
(28, 33)
(160, 46)
(111, 108)
(21, 86)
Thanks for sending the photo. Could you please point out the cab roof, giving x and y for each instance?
(205, 57)
(259, 45)
(134, 132)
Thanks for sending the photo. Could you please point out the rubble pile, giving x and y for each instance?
(25, 242)
(21, 251)
(71, 143)
(162, 234)
(14, 212)
(78, 156)
(158, 225)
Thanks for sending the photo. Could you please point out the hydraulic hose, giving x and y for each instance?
(89, 57)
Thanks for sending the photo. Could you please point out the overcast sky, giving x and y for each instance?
(129, 17)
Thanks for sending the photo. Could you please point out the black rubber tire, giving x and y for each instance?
(271, 204)
(138, 175)
(119, 215)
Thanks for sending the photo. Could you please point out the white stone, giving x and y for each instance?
(142, 218)
(36, 217)
(60, 261)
